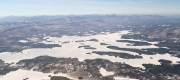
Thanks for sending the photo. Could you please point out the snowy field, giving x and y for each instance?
(105, 73)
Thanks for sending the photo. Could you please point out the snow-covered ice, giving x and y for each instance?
(31, 75)
(71, 50)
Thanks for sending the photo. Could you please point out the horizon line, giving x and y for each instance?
(83, 15)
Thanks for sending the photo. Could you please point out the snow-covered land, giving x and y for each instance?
(105, 73)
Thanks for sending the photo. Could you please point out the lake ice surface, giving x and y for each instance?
(31, 75)
(71, 50)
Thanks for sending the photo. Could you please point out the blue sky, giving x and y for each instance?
(78, 7)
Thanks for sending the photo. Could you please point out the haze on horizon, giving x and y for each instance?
(79, 7)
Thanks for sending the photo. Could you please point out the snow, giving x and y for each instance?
(105, 73)
(122, 78)
(71, 50)
(23, 41)
(32, 75)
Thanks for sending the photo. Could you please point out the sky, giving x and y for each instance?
(81, 7)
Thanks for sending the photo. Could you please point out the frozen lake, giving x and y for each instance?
(70, 49)
(31, 75)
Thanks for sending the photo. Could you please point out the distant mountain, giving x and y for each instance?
(160, 32)
(150, 25)
(77, 17)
